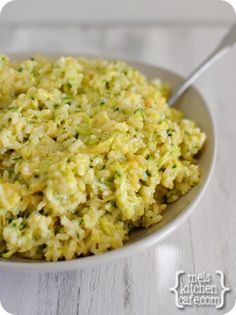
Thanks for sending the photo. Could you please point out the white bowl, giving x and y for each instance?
(194, 107)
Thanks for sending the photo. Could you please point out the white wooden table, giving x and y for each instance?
(140, 284)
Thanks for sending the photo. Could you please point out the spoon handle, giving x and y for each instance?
(225, 46)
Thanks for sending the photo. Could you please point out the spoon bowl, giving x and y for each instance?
(194, 107)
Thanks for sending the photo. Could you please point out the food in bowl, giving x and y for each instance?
(90, 151)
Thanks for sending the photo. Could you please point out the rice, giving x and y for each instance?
(90, 150)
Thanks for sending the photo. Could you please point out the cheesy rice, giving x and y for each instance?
(89, 150)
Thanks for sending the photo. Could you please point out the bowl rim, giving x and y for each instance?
(136, 246)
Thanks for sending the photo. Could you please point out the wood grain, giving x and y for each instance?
(139, 285)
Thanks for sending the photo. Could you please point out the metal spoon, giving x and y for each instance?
(225, 46)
